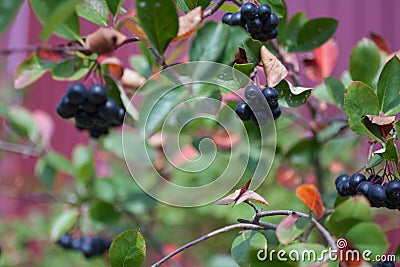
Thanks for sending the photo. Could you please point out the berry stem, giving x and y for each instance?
(214, 8)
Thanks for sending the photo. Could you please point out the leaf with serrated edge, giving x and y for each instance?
(274, 70)
(128, 249)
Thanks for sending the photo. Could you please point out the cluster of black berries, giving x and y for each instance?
(90, 246)
(384, 264)
(254, 109)
(260, 21)
(92, 110)
(386, 195)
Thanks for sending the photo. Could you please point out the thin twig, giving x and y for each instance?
(20, 149)
(325, 233)
(214, 8)
(245, 226)
(33, 48)
(237, 2)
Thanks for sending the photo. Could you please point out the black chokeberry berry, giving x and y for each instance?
(388, 264)
(363, 188)
(252, 94)
(227, 18)
(243, 111)
(340, 189)
(77, 93)
(88, 107)
(254, 26)
(346, 188)
(270, 94)
(83, 120)
(65, 109)
(355, 180)
(393, 192)
(260, 36)
(341, 178)
(249, 11)
(271, 23)
(97, 94)
(377, 195)
(237, 20)
(272, 34)
(119, 120)
(98, 131)
(77, 243)
(65, 241)
(264, 11)
(276, 113)
(109, 111)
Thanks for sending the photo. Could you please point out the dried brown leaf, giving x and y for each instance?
(228, 199)
(274, 70)
(132, 79)
(188, 23)
(384, 123)
(104, 40)
(251, 195)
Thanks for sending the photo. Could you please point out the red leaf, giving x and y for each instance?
(325, 57)
(380, 42)
(310, 196)
(51, 55)
(287, 177)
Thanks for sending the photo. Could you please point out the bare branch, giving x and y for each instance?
(20, 149)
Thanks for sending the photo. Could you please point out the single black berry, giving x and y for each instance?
(119, 120)
(77, 243)
(272, 34)
(346, 188)
(254, 25)
(264, 11)
(271, 23)
(243, 111)
(83, 120)
(97, 94)
(355, 180)
(77, 93)
(65, 241)
(377, 195)
(236, 20)
(341, 178)
(98, 131)
(388, 264)
(260, 36)
(276, 113)
(227, 18)
(88, 107)
(363, 188)
(270, 94)
(393, 192)
(65, 109)
(340, 189)
(249, 11)
(109, 111)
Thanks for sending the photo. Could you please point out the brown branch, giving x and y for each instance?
(34, 48)
(214, 8)
(245, 226)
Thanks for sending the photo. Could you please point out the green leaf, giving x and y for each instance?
(303, 152)
(244, 244)
(360, 100)
(104, 213)
(375, 161)
(308, 250)
(156, 107)
(159, 20)
(21, 121)
(44, 9)
(389, 86)
(104, 190)
(291, 227)
(365, 61)
(336, 91)
(114, 5)
(397, 129)
(228, 8)
(45, 173)
(391, 153)
(290, 96)
(293, 29)
(187, 5)
(368, 236)
(277, 6)
(63, 12)
(216, 42)
(314, 33)
(253, 51)
(69, 70)
(59, 162)
(128, 249)
(8, 10)
(63, 223)
(28, 72)
(83, 162)
(95, 11)
(348, 214)
(244, 68)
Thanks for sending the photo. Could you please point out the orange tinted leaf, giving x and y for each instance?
(188, 23)
(51, 55)
(134, 28)
(274, 70)
(323, 62)
(114, 66)
(380, 42)
(310, 196)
